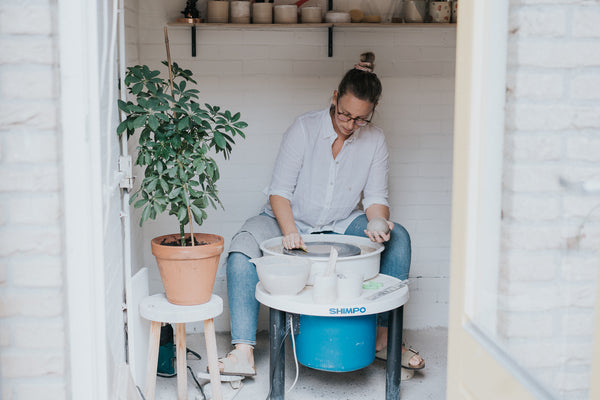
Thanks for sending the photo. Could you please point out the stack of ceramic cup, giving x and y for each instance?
(311, 15)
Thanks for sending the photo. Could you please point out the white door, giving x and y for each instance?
(502, 340)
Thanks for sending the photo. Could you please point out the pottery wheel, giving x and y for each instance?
(322, 249)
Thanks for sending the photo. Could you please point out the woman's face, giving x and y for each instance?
(351, 108)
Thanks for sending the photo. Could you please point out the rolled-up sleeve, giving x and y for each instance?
(288, 162)
(376, 188)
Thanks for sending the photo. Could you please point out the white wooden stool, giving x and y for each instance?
(157, 309)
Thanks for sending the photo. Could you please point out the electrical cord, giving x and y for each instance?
(197, 383)
(295, 356)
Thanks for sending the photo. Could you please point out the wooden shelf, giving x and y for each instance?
(328, 25)
(206, 25)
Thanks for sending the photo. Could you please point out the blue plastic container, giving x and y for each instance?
(338, 344)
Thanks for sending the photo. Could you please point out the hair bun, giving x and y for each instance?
(368, 57)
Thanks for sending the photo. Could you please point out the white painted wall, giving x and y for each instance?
(551, 232)
(273, 75)
(32, 322)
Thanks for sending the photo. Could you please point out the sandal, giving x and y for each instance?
(405, 359)
(239, 367)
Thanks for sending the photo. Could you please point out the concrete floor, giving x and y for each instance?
(365, 384)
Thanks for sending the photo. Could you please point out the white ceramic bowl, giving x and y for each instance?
(337, 16)
(282, 275)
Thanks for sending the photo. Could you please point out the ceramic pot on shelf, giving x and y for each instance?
(217, 11)
(240, 12)
(415, 11)
(285, 14)
(262, 13)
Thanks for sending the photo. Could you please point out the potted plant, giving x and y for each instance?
(177, 140)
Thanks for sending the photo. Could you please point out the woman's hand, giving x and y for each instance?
(380, 236)
(293, 241)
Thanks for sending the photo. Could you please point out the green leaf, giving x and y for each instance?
(137, 88)
(163, 185)
(140, 203)
(122, 105)
(122, 127)
(153, 122)
(145, 214)
(139, 121)
(219, 140)
(183, 123)
(174, 193)
(181, 214)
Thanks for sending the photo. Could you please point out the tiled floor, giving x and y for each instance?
(365, 384)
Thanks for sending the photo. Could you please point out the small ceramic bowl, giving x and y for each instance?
(282, 275)
(337, 16)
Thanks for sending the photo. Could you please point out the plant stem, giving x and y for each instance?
(169, 59)
(191, 224)
(182, 234)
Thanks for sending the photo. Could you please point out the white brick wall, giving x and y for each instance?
(273, 75)
(32, 321)
(548, 274)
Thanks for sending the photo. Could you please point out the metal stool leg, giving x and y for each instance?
(213, 362)
(153, 345)
(181, 362)
(394, 356)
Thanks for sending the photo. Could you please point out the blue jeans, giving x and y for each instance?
(242, 279)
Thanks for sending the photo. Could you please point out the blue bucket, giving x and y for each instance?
(338, 344)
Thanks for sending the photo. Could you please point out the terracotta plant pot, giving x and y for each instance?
(188, 272)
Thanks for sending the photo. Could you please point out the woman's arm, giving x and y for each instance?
(282, 208)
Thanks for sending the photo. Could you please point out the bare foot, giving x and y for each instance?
(381, 343)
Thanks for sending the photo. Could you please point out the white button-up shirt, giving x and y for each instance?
(325, 192)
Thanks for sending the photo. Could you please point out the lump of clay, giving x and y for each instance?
(378, 225)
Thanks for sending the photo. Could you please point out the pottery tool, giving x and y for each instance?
(333, 255)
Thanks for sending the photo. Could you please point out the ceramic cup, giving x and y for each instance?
(415, 11)
(440, 11)
(217, 12)
(311, 15)
(325, 289)
(262, 13)
(240, 12)
(349, 286)
(285, 14)
(454, 11)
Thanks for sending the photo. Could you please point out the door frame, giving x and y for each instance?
(477, 366)
(85, 312)
(475, 369)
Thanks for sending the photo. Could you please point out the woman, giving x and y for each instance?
(327, 162)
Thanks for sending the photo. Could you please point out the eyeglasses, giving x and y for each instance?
(345, 118)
